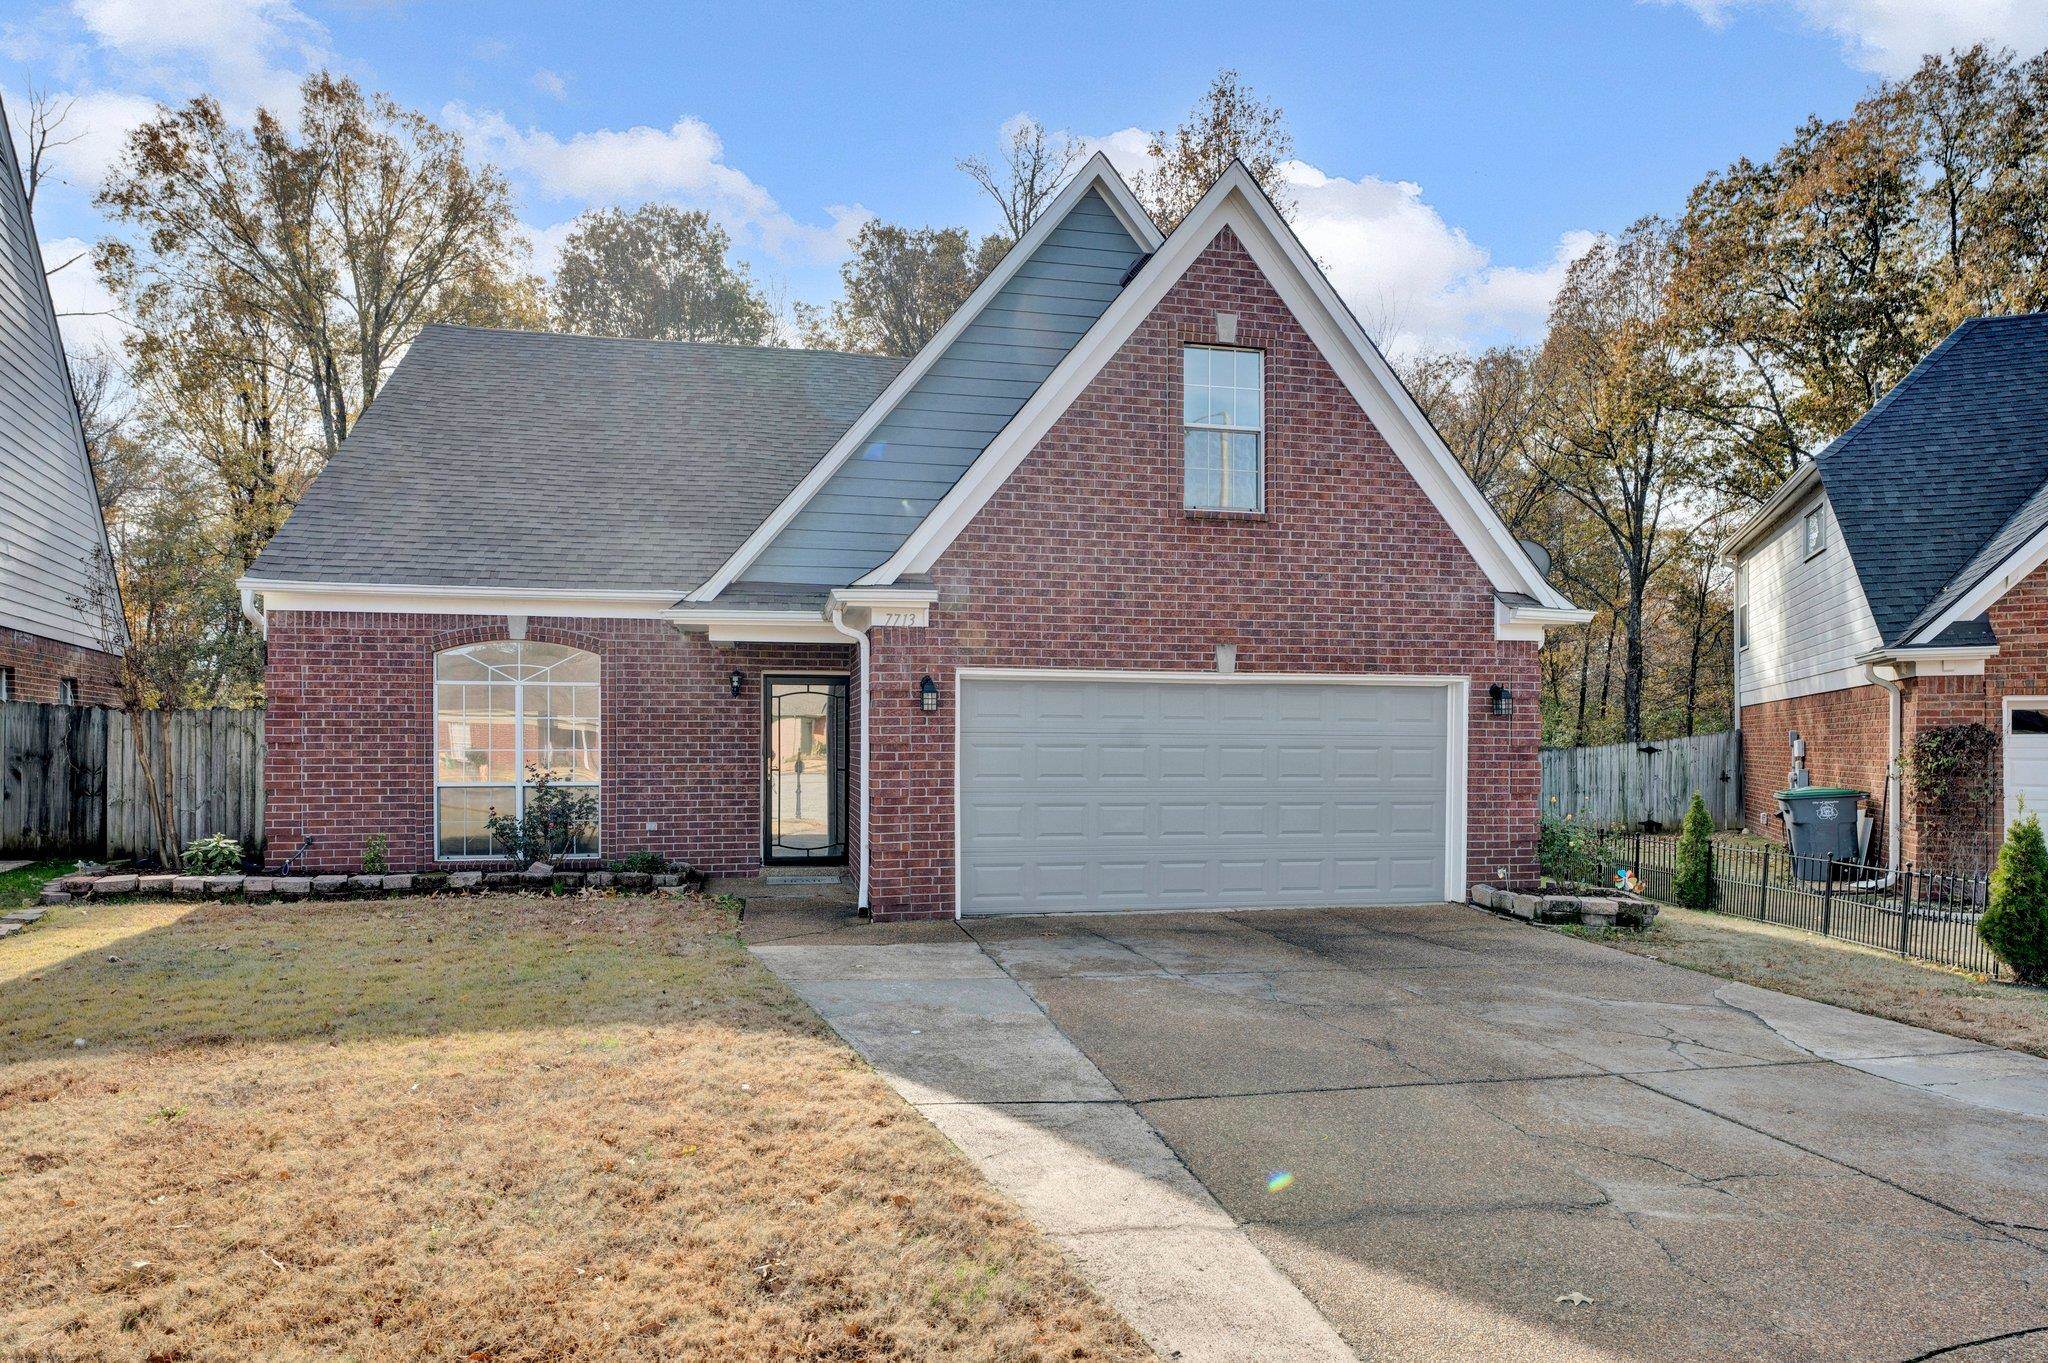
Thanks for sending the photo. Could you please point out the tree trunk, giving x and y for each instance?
(1632, 665)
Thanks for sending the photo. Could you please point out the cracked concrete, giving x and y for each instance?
(1482, 1119)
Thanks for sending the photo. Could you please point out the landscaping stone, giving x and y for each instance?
(293, 887)
(225, 886)
(428, 882)
(330, 887)
(156, 884)
(666, 879)
(465, 880)
(568, 880)
(400, 884)
(598, 880)
(538, 874)
(259, 889)
(23, 916)
(50, 896)
(115, 885)
(502, 880)
(76, 884)
(9, 929)
(634, 880)
(189, 887)
(366, 884)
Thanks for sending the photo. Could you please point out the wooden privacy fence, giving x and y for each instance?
(71, 779)
(1625, 785)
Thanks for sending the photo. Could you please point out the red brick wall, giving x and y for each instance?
(1847, 738)
(40, 664)
(1086, 558)
(350, 734)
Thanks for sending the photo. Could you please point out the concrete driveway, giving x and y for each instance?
(1504, 1143)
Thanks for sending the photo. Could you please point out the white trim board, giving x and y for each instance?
(389, 599)
(1458, 704)
(1236, 202)
(1097, 172)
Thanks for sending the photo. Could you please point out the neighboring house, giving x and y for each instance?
(1893, 588)
(1144, 585)
(51, 534)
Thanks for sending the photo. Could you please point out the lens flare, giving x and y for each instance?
(1279, 1182)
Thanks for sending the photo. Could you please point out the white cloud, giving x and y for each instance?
(85, 310)
(548, 83)
(1891, 36)
(684, 162)
(246, 52)
(96, 124)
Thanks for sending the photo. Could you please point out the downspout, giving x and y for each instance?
(860, 640)
(1895, 813)
(253, 615)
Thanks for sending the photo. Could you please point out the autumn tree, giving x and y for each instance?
(1033, 165)
(1484, 407)
(1228, 123)
(901, 285)
(344, 231)
(659, 272)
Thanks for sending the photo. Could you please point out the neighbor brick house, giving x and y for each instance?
(1891, 596)
(52, 639)
(1144, 585)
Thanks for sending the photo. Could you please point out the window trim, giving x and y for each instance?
(1813, 532)
(1258, 508)
(519, 782)
(1742, 626)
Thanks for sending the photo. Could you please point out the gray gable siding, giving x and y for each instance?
(49, 509)
(913, 458)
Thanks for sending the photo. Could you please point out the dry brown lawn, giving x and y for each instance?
(1847, 975)
(477, 1130)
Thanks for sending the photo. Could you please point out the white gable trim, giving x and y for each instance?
(1097, 173)
(2016, 568)
(1236, 202)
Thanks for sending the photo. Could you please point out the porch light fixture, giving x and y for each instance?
(738, 681)
(1500, 700)
(928, 694)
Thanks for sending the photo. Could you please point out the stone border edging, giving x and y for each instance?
(1593, 911)
(269, 889)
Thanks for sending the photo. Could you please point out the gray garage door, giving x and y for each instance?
(1109, 795)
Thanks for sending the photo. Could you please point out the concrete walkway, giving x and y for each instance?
(1505, 1143)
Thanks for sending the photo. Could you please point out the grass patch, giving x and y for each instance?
(19, 888)
(1845, 974)
(501, 1129)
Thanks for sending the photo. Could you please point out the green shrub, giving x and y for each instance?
(1566, 850)
(2015, 923)
(376, 855)
(215, 855)
(1693, 883)
(549, 827)
(649, 863)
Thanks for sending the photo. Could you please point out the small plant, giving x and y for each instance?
(1693, 883)
(2015, 923)
(214, 855)
(647, 863)
(376, 855)
(553, 820)
(1566, 850)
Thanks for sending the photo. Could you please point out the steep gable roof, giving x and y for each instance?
(1236, 202)
(523, 459)
(1942, 482)
(51, 532)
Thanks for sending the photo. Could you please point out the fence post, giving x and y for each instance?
(1827, 899)
(1906, 912)
(1763, 886)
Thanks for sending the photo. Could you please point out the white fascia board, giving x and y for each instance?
(1932, 662)
(890, 607)
(1096, 173)
(739, 626)
(1235, 201)
(2017, 567)
(1527, 624)
(1773, 509)
(385, 598)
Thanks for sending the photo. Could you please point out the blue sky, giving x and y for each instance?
(1453, 155)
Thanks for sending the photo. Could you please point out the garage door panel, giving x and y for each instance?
(1100, 795)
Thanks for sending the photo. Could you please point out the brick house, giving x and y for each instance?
(1144, 585)
(51, 534)
(1891, 599)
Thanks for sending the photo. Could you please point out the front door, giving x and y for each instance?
(803, 791)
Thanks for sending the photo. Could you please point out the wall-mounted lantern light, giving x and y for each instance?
(1500, 700)
(927, 694)
(738, 681)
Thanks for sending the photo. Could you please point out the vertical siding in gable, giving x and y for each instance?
(921, 448)
(49, 512)
(1808, 619)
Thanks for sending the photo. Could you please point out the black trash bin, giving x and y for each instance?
(1822, 826)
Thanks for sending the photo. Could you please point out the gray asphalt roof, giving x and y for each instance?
(526, 459)
(1944, 478)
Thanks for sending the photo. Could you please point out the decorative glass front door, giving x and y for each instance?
(803, 799)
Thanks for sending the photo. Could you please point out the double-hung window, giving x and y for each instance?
(1223, 419)
(503, 713)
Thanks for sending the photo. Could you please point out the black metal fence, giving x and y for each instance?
(1927, 915)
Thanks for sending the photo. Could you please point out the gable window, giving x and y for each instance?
(1223, 419)
(1742, 627)
(503, 712)
(1816, 530)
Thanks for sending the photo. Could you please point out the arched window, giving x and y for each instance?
(502, 711)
